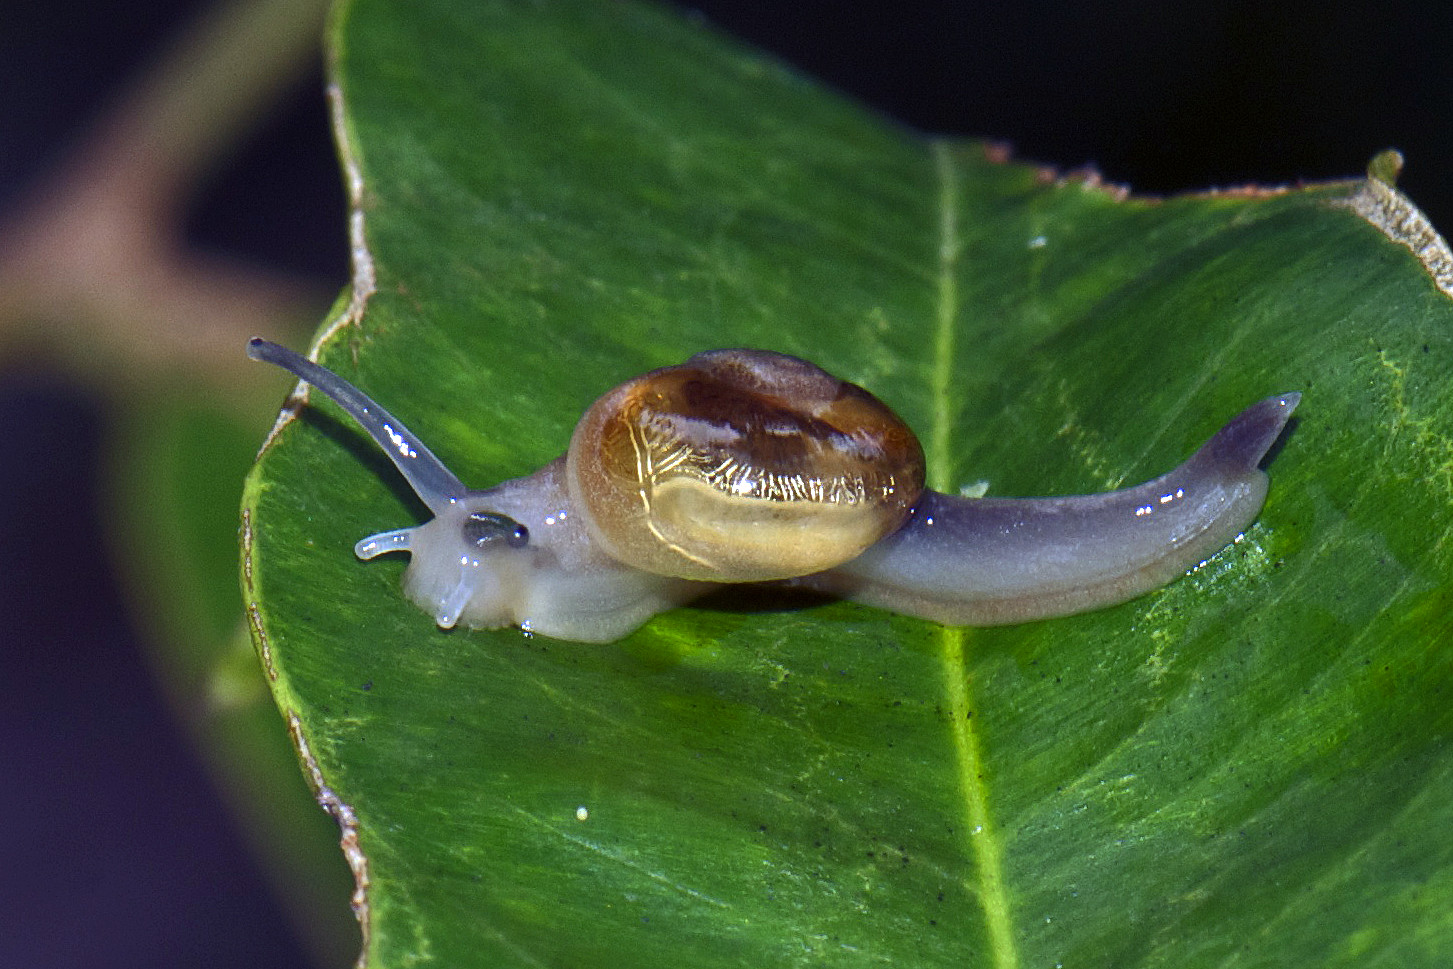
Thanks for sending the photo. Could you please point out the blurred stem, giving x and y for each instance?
(94, 271)
(93, 259)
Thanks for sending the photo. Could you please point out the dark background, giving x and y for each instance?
(114, 847)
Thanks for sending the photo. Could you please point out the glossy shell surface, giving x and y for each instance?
(742, 465)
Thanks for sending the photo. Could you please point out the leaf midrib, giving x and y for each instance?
(987, 882)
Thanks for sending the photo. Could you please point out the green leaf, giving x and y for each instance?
(1251, 767)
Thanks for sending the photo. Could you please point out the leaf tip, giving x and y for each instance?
(1378, 202)
(1386, 166)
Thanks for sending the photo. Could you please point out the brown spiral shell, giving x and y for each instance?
(742, 465)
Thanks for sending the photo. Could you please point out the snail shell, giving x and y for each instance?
(742, 466)
(752, 466)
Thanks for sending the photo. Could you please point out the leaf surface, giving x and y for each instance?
(1251, 767)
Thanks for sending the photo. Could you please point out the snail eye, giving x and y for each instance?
(484, 528)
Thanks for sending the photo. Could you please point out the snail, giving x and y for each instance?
(753, 466)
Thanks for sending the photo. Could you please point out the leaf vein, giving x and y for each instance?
(983, 840)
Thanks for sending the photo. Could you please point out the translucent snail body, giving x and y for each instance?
(752, 466)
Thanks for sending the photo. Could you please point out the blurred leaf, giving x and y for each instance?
(173, 490)
(1251, 767)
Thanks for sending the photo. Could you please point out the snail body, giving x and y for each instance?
(753, 466)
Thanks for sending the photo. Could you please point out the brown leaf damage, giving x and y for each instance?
(1395, 216)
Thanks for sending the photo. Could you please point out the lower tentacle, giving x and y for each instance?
(373, 546)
